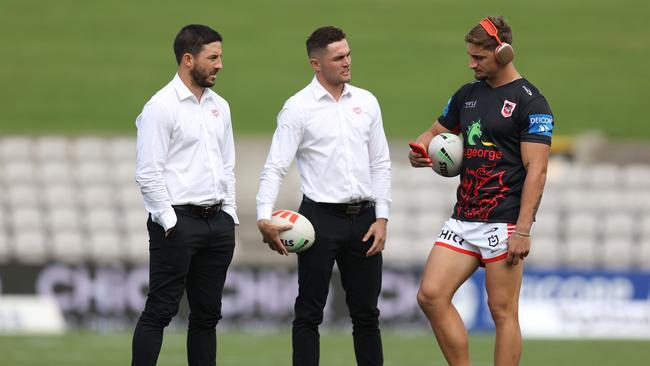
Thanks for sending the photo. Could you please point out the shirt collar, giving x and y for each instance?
(319, 91)
(184, 92)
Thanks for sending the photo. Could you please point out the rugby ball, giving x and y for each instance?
(446, 154)
(301, 236)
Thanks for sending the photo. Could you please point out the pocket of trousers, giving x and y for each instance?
(157, 235)
(229, 218)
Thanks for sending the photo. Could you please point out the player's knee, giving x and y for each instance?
(502, 311)
(428, 298)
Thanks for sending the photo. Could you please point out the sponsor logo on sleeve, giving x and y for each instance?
(540, 124)
(446, 110)
(528, 91)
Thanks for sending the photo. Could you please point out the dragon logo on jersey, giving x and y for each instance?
(508, 108)
(481, 191)
(475, 132)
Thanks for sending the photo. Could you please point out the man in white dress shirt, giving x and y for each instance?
(335, 133)
(185, 169)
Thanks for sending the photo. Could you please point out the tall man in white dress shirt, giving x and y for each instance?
(335, 132)
(185, 169)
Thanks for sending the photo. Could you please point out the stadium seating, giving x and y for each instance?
(618, 253)
(16, 148)
(54, 171)
(30, 247)
(5, 254)
(136, 247)
(51, 148)
(73, 199)
(642, 255)
(546, 252)
(68, 246)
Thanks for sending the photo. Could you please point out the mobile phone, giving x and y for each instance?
(419, 149)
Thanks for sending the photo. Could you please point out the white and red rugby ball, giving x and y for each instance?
(301, 236)
(446, 154)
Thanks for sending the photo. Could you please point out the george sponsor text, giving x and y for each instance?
(491, 155)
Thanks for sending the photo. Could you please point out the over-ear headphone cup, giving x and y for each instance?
(504, 53)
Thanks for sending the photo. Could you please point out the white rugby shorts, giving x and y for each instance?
(486, 241)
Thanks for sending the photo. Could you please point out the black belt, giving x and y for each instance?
(201, 211)
(352, 208)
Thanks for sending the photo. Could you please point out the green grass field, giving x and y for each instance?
(78, 67)
(250, 349)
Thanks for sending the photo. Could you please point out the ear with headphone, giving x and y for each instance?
(504, 51)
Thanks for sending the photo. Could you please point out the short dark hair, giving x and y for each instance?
(322, 37)
(479, 36)
(191, 38)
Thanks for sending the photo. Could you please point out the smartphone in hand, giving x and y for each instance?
(418, 149)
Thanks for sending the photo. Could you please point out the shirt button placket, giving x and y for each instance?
(346, 146)
(205, 135)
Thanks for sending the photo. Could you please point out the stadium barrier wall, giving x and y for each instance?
(570, 304)
(29, 314)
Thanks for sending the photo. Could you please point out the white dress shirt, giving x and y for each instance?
(185, 152)
(340, 149)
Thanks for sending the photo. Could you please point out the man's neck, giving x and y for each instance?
(507, 75)
(335, 90)
(195, 89)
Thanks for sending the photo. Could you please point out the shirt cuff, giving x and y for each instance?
(230, 210)
(264, 212)
(166, 219)
(381, 210)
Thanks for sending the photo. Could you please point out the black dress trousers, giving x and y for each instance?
(338, 239)
(194, 257)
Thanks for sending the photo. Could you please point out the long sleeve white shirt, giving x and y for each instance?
(340, 149)
(185, 152)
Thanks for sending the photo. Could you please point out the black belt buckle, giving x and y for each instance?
(213, 210)
(208, 211)
(353, 209)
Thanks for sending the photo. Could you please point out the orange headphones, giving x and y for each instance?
(504, 52)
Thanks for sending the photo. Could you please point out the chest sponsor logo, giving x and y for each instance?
(490, 155)
(540, 124)
(470, 104)
(474, 134)
(527, 90)
(356, 110)
(215, 112)
(508, 108)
